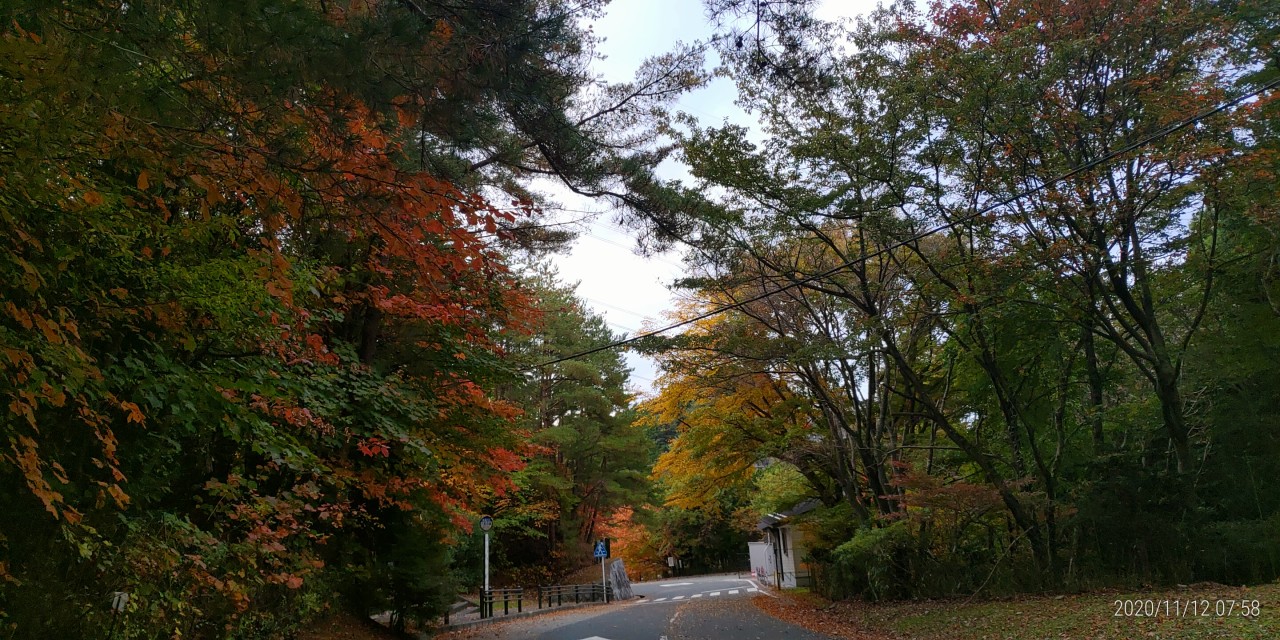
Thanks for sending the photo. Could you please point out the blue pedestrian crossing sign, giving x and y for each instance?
(602, 551)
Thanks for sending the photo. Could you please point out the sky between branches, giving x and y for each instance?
(629, 290)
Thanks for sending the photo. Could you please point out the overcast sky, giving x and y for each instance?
(631, 291)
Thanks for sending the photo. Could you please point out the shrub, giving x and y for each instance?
(873, 564)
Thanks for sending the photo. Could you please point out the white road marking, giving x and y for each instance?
(676, 584)
(658, 600)
(752, 590)
(733, 592)
(715, 593)
(678, 598)
(696, 595)
(764, 591)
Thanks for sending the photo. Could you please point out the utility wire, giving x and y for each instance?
(1160, 133)
(615, 243)
(621, 327)
(615, 307)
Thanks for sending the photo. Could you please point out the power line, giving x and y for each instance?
(593, 219)
(615, 243)
(615, 307)
(597, 238)
(1161, 133)
(624, 328)
(626, 231)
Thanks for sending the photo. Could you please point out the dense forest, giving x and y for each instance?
(995, 282)
(998, 285)
(271, 292)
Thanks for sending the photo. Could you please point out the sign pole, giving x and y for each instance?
(486, 523)
(602, 552)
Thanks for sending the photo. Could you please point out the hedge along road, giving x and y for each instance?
(697, 608)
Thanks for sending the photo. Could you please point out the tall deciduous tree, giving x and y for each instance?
(1039, 328)
(251, 282)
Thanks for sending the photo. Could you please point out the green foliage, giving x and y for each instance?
(407, 574)
(252, 287)
(710, 539)
(1241, 551)
(585, 459)
(871, 564)
(777, 488)
(1068, 388)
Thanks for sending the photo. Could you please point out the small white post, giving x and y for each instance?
(604, 581)
(486, 561)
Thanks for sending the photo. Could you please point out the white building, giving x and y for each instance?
(779, 558)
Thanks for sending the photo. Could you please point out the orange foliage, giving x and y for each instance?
(633, 543)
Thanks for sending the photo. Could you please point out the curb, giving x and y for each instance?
(513, 616)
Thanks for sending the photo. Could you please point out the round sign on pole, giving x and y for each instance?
(486, 523)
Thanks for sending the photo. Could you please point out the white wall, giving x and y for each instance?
(761, 560)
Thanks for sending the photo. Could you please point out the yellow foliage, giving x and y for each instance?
(727, 416)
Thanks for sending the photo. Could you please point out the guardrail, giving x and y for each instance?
(560, 593)
(502, 601)
(508, 596)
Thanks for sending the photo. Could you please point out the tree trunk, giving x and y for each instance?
(1096, 397)
(1022, 517)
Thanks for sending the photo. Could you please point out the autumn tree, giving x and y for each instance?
(585, 461)
(254, 271)
(1013, 209)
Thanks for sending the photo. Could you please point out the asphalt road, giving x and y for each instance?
(699, 608)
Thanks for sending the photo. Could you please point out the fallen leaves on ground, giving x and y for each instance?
(345, 626)
(816, 614)
(1091, 616)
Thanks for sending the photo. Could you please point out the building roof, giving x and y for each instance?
(774, 519)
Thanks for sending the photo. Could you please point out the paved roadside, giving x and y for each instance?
(669, 611)
(472, 618)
